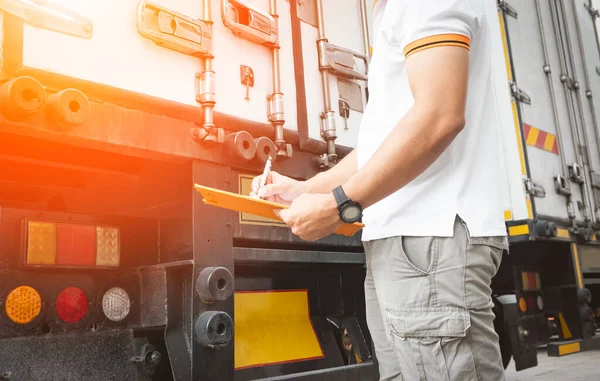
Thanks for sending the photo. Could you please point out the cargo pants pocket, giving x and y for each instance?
(432, 343)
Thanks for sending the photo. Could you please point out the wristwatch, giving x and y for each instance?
(349, 211)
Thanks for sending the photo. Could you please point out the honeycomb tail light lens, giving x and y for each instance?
(71, 305)
(41, 243)
(23, 304)
(107, 246)
(66, 244)
(116, 304)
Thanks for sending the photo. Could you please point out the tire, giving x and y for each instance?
(584, 295)
(586, 314)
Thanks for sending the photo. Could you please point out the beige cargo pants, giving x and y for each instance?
(429, 307)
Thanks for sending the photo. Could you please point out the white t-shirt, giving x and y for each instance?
(465, 179)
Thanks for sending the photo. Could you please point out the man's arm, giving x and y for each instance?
(438, 80)
(325, 182)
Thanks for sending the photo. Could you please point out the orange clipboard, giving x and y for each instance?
(258, 207)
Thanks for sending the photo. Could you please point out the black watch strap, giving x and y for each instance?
(340, 196)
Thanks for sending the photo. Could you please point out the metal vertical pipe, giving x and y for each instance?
(548, 70)
(208, 91)
(571, 57)
(365, 27)
(328, 133)
(324, 74)
(326, 91)
(275, 57)
(320, 21)
(564, 77)
(277, 117)
(594, 14)
(588, 86)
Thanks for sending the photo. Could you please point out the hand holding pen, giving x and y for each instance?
(272, 186)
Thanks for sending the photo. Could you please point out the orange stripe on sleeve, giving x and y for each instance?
(435, 41)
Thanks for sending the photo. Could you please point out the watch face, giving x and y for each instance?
(351, 213)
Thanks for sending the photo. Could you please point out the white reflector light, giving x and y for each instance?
(116, 304)
(107, 249)
(540, 303)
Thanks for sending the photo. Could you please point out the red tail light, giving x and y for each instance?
(75, 245)
(71, 305)
(64, 244)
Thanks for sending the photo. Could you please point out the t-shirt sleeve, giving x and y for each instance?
(419, 25)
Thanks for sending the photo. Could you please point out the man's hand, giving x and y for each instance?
(278, 188)
(312, 216)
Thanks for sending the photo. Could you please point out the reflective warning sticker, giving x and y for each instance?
(518, 230)
(540, 139)
(567, 349)
(273, 327)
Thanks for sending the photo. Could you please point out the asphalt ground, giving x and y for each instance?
(575, 367)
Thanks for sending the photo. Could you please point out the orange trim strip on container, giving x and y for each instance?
(529, 208)
(514, 105)
(576, 265)
(519, 141)
(505, 46)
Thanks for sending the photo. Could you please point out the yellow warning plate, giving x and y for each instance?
(273, 327)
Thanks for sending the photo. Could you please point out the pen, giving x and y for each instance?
(263, 180)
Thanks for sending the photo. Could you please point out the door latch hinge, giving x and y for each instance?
(592, 11)
(174, 30)
(534, 189)
(563, 186)
(341, 61)
(576, 173)
(519, 94)
(507, 8)
(249, 22)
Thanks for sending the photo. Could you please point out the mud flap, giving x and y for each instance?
(518, 333)
(524, 353)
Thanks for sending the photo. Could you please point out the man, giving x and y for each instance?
(425, 171)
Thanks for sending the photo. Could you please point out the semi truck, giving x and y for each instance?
(113, 268)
